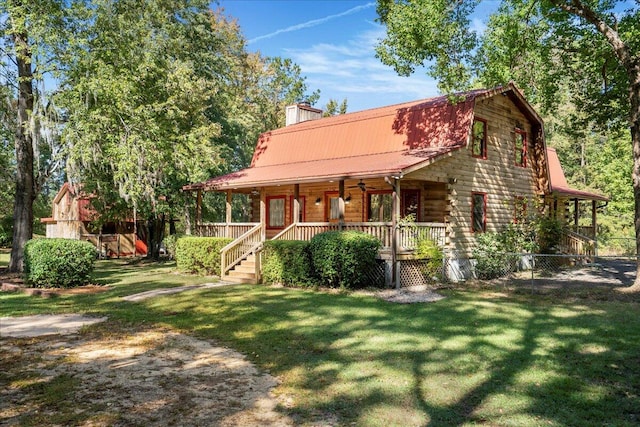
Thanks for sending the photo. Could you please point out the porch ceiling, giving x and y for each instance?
(355, 167)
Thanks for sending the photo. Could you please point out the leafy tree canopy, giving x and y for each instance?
(547, 46)
(583, 53)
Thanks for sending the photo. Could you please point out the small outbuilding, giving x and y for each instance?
(73, 217)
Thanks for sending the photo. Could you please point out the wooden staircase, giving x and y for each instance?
(238, 262)
(572, 243)
(243, 272)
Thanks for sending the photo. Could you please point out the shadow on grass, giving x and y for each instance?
(470, 358)
(467, 359)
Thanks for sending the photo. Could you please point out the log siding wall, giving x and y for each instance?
(497, 175)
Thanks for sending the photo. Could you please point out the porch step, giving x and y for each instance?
(243, 272)
(240, 280)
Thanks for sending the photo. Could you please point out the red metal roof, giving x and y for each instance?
(379, 142)
(559, 184)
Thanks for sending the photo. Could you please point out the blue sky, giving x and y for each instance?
(333, 43)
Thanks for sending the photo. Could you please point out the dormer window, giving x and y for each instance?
(479, 139)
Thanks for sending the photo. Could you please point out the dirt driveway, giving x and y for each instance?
(131, 378)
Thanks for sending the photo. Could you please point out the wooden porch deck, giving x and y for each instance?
(248, 239)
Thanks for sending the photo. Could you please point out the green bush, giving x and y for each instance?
(489, 253)
(429, 251)
(494, 252)
(548, 234)
(58, 263)
(340, 258)
(287, 262)
(169, 243)
(200, 255)
(5, 239)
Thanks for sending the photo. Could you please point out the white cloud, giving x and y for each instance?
(312, 23)
(351, 70)
(478, 26)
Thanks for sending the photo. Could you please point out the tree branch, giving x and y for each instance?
(620, 48)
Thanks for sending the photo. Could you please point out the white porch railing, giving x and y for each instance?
(407, 236)
(577, 244)
(232, 229)
(410, 234)
(237, 250)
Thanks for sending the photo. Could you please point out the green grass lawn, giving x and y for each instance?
(473, 358)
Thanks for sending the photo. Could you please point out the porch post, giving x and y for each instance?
(341, 204)
(227, 217)
(296, 204)
(594, 224)
(576, 214)
(263, 215)
(199, 208)
(395, 214)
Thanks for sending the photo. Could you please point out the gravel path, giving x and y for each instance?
(151, 378)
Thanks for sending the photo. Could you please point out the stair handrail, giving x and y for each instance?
(287, 233)
(237, 250)
(584, 245)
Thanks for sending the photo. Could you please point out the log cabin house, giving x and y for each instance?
(74, 218)
(458, 168)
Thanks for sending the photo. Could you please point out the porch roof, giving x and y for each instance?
(559, 184)
(355, 167)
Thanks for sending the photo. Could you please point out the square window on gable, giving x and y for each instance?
(479, 139)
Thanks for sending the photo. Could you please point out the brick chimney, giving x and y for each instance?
(301, 112)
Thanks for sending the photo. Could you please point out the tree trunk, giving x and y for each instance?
(172, 225)
(187, 220)
(23, 206)
(634, 118)
(156, 235)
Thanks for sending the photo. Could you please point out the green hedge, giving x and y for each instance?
(339, 258)
(200, 255)
(58, 263)
(287, 262)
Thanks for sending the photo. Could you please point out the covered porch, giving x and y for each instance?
(577, 209)
(398, 214)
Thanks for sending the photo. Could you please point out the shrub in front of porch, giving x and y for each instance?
(287, 262)
(200, 255)
(341, 258)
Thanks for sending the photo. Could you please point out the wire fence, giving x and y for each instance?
(533, 271)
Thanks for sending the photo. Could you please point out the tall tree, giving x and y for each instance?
(32, 32)
(7, 164)
(136, 95)
(251, 96)
(594, 45)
